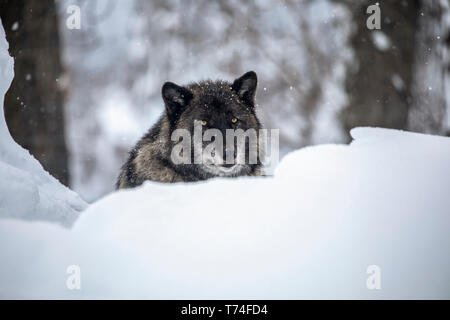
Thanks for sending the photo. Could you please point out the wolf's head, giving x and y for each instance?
(217, 125)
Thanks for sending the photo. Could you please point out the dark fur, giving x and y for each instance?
(213, 101)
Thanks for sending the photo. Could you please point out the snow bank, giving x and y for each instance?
(27, 191)
(310, 231)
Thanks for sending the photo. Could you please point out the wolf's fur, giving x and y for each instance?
(216, 102)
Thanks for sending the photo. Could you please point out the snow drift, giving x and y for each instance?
(310, 231)
(27, 191)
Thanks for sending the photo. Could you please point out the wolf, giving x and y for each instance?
(216, 105)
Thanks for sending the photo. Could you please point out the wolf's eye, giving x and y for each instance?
(234, 120)
(203, 123)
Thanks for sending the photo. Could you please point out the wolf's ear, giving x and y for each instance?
(175, 98)
(245, 87)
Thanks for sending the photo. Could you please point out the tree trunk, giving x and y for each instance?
(34, 103)
(380, 79)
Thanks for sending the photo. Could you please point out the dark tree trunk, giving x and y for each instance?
(380, 79)
(34, 103)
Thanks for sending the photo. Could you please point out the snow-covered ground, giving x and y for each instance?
(310, 231)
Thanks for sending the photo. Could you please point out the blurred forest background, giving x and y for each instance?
(81, 98)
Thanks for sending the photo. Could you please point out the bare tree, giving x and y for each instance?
(34, 103)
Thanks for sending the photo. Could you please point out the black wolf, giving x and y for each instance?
(217, 105)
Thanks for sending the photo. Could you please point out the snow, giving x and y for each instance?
(27, 191)
(381, 40)
(15, 26)
(398, 82)
(310, 231)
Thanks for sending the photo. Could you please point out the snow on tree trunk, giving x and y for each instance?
(34, 107)
(27, 191)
